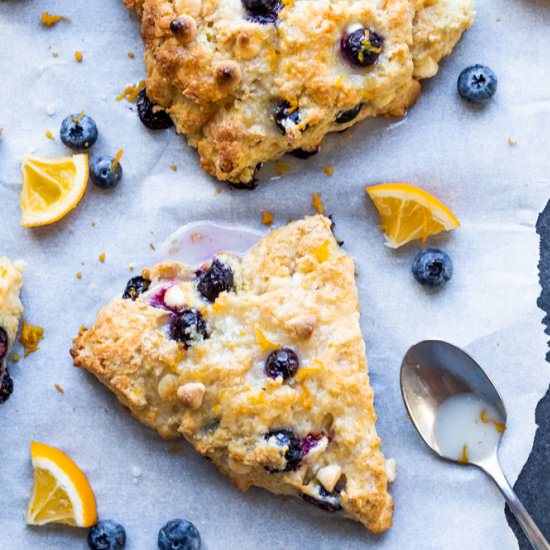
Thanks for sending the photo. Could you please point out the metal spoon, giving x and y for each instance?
(433, 371)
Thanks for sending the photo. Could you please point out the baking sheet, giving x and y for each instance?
(459, 153)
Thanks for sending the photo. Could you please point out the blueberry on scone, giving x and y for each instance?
(247, 81)
(179, 534)
(477, 84)
(432, 267)
(152, 116)
(259, 363)
(107, 535)
(78, 131)
(105, 172)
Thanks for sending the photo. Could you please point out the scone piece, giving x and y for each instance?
(11, 309)
(249, 80)
(259, 362)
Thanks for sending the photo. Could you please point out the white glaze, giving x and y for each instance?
(458, 423)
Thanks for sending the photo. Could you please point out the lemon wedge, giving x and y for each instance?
(51, 188)
(61, 492)
(408, 213)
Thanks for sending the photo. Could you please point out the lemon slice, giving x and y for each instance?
(408, 213)
(51, 188)
(61, 492)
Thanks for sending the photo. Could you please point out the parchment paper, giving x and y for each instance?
(459, 153)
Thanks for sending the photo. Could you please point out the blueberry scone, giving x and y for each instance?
(259, 362)
(11, 309)
(249, 80)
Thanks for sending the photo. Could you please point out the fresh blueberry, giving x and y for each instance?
(303, 154)
(432, 267)
(6, 387)
(362, 47)
(285, 114)
(294, 452)
(477, 84)
(78, 131)
(214, 280)
(151, 116)
(107, 535)
(188, 325)
(179, 534)
(347, 116)
(3, 343)
(262, 11)
(135, 286)
(282, 362)
(102, 173)
(330, 502)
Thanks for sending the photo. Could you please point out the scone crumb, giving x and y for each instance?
(328, 170)
(49, 135)
(512, 141)
(218, 191)
(267, 218)
(49, 20)
(30, 337)
(78, 56)
(131, 92)
(131, 267)
(15, 357)
(316, 201)
(173, 167)
(59, 388)
(282, 168)
(55, 54)
(78, 275)
(131, 55)
(116, 161)
(152, 246)
(391, 469)
(102, 257)
(196, 237)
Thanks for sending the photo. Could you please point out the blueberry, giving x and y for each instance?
(102, 173)
(151, 116)
(477, 84)
(262, 11)
(362, 47)
(6, 386)
(432, 267)
(3, 343)
(285, 114)
(214, 280)
(107, 535)
(187, 326)
(135, 286)
(282, 362)
(294, 452)
(179, 534)
(347, 116)
(78, 131)
(330, 502)
(303, 154)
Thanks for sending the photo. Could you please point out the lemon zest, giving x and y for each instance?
(131, 92)
(116, 160)
(267, 218)
(316, 201)
(30, 337)
(49, 20)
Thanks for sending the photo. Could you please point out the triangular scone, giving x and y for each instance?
(11, 309)
(249, 80)
(267, 378)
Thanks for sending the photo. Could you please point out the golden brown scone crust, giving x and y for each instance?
(220, 76)
(294, 289)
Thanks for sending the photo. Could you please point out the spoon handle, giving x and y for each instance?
(532, 532)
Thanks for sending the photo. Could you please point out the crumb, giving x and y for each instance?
(348, 135)
(93, 224)
(131, 267)
(49, 20)
(131, 55)
(78, 56)
(196, 237)
(316, 201)
(175, 448)
(50, 109)
(58, 388)
(79, 275)
(49, 135)
(118, 156)
(152, 246)
(131, 92)
(30, 337)
(267, 218)
(512, 141)
(15, 357)
(173, 167)
(55, 54)
(328, 170)
(102, 257)
(282, 168)
(1, 131)
(218, 191)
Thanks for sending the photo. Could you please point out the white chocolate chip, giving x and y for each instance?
(391, 467)
(190, 7)
(302, 325)
(191, 394)
(174, 297)
(329, 476)
(167, 386)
